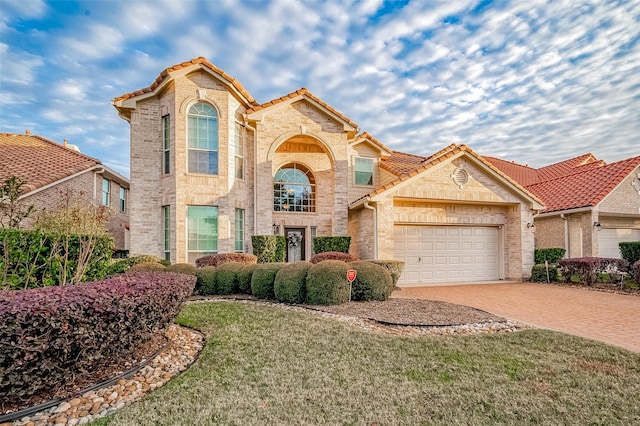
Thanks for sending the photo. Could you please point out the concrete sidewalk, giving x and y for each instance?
(606, 317)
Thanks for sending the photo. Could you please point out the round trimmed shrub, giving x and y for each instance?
(395, 268)
(182, 268)
(222, 258)
(206, 282)
(227, 278)
(123, 265)
(539, 273)
(332, 255)
(147, 267)
(244, 278)
(263, 279)
(290, 283)
(327, 283)
(373, 282)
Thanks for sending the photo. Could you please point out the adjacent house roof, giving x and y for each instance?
(578, 182)
(39, 161)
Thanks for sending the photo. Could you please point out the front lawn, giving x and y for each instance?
(267, 365)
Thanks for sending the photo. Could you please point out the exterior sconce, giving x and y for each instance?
(597, 225)
(531, 226)
(276, 229)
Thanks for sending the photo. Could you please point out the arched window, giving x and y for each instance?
(294, 189)
(203, 139)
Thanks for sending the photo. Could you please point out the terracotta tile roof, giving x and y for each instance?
(524, 175)
(302, 92)
(568, 167)
(586, 187)
(406, 166)
(200, 60)
(39, 161)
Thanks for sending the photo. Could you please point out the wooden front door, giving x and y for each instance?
(295, 244)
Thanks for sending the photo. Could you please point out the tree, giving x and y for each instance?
(13, 210)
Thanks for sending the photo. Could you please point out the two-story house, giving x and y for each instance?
(210, 167)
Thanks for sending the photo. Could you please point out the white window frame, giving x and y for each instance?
(166, 231)
(356, 171)
(106, 192)
(166, 144)
(239, 231)
(194, 252)
(196, 149)
(238, 151)
(123, 199)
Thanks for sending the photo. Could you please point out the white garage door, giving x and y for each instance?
(608, 240)
(446, 254)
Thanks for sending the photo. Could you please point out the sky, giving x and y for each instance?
(535, 82)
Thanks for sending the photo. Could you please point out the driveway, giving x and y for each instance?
(606, 317)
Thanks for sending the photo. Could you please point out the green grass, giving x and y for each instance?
(265, 365)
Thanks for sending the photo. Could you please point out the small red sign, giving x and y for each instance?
(351, 275)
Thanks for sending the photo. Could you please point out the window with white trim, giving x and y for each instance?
(203, 139)
(238, 158)
(294, 189)
(166, 145)
(166, 231)
(123, 202)
(202, 231)
(239, 231)
(106, 192)
(363, 171)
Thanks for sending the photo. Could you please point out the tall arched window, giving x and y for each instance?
(203, 139)
(294, 189)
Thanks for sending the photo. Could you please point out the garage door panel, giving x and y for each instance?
(609, 238)
(447, 253)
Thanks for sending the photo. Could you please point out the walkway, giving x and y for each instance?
(606, 317)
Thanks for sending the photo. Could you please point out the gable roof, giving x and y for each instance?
(39, 161)
(578, 182)
(300, 94)
(406, 166)
(165, 77)
(366, 137)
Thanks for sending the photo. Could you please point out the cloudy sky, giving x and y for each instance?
(530, 81)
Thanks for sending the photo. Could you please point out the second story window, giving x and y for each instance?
(123, 193)
(363, 171)
(203, 139)
(294, 189)
(239, 153)
(166, 144)
(106, 192)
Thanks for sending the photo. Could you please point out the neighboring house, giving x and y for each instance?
(591, 206)
(55, 173)
(210, 167)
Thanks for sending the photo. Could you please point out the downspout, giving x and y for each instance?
(566, 235)
(375, 227)
(255, 173)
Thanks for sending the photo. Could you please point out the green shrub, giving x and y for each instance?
(327, 283)
(539, 273)
(206, 282)
(147, 267)
(373, 282)
(552, 255)
(324, 244)
(263, 280)
(635, 272)
(244, 278)
(395, 268)
(269, 248)
(332, 255)
(124, 265)
(227, 278)
(222, 258)
(290, 283)
(630, 251)
(182, 268)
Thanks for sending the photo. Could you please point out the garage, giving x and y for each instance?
(447, 254)
(608, 239)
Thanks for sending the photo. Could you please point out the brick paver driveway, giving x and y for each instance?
(607, 317)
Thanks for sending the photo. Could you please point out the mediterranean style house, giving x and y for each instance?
(210, 167)
(56, 174)
(590, 206)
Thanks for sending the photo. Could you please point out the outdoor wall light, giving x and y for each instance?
(597, 225)
(531, 226)
(276, 229)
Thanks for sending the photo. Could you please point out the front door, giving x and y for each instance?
(295, 244)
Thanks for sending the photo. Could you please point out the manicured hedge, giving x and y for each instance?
(30, 259)
(324, 244)
(539, 273)
(373, 282)
(182, 268)
(290, 283)
(587, 269)
(269, 248)
(244, 278)
(263, 280)
(395, 268)
(332, 255)
(206, 281)
(147, 267)
(124, 265)
(327, 283)
(227, 278)
(49, 335)
(630, 251)
(220, 259)
(552, 255)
